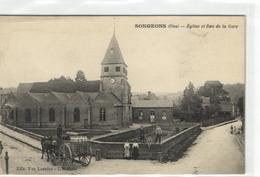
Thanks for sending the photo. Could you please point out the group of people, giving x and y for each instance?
(131, 150)
(235, 130)
(158, 135)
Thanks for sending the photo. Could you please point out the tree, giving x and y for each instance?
(80, 76)
(217, 94)
(214, 90)
(191, 103)
(241, 105)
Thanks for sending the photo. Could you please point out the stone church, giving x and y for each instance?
(101, 104)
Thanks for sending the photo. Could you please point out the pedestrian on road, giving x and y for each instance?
(59, 131)
(135, 150)
(127, 150)
(235, 129)
(149, 142)
(158, 133)
(142, 136)
(1, 147)
(231, 129)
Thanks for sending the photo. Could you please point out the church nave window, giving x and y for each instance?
(76, 115)
(28, 116)
(11, 115)
(106, 69)
(102, 114)
(118, 69)
(51, 115)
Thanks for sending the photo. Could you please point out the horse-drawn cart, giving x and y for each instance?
(66, 152)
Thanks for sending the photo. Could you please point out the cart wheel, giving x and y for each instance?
(54, 159)
(67, 164)
(66, 155)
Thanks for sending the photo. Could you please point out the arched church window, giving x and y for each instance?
(11, 116)
(102, 114)
(76, 115)
(28, 116)
(106, 69)
(51, 115)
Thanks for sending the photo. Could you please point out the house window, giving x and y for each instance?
(76, 115)
(51, 115)
(28, 116)
(164, 117)
(152, 117)
(102, 114)
(141, 114)
(118, 69)
(106, 69)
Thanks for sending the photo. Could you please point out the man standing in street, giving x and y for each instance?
(158, 133)
(59, 131)
(142, 137)
(1, 147)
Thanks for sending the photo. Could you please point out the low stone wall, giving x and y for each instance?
(25, 132)
(214, 121)
(172, 146)
(123, 136)
(169, 149)
(53, 131)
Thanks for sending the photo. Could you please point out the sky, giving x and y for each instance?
(38, 48)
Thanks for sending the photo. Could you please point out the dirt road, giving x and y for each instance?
(215, 151)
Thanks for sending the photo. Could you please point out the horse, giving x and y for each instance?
(47, 146)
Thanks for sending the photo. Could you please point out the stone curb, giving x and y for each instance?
(218, 125)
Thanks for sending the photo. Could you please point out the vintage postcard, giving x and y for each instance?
(122, 95)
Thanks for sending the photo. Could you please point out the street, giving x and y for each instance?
(215, 151)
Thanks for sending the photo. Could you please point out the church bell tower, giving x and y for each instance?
(114, 76)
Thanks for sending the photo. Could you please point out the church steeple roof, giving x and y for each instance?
(113, 54)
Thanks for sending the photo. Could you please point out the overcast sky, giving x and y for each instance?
(34, 49)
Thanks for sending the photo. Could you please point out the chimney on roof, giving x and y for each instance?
(149, 95)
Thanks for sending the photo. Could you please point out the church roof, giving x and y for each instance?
(24, 87)
(45, 98)
(113, 54)
(65, 86)
(107, 97)
(20, 99)
(152, 103)
(74, 98)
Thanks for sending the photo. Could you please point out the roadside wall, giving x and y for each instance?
(174, 145)
(125, 135)
(214, 121)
